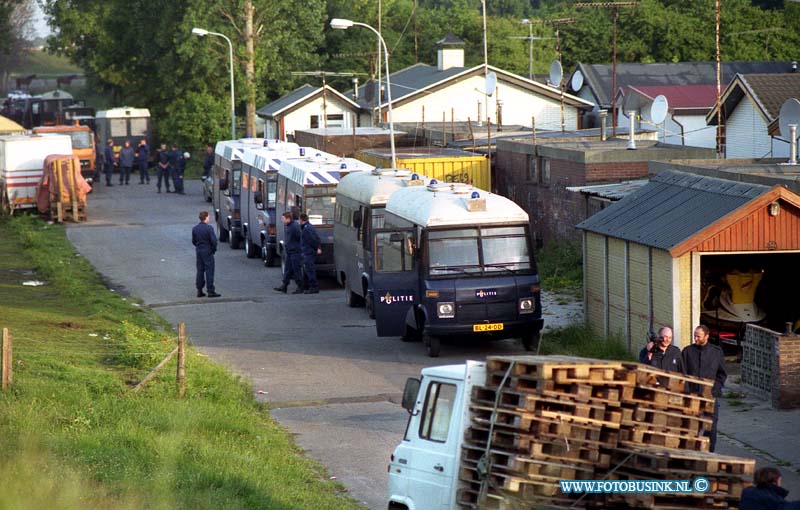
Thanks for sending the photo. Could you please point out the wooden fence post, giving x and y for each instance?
(181, 359)
(7, 368)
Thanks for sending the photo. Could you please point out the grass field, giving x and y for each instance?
(39, 62)
(73, 433)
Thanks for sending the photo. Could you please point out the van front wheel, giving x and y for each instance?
(433, 345)
(530, 340)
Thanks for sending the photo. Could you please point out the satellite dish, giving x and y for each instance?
(789, 114)
(556, 73)
(577, 80)
(658, 110)
(491, 83)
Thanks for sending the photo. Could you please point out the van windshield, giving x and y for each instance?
(477, 251)
(320, 209)
(81, 139)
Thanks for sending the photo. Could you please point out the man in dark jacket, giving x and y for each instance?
(208, 161)
(142, 156)
(291, 249)
(108, 160)
(175, 157)
(661, 353)
(205, 241)
(127, 156)
(702, 359)
(767, 493)
(162, 168)
(310, 247)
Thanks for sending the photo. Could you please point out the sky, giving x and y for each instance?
(40, 23)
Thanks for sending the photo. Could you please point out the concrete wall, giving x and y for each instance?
(518, 106)
(771, 366)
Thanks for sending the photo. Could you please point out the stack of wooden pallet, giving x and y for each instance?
(543, 419)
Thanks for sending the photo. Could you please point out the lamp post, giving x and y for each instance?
(344, 24)
(202, 32)
(530, 47)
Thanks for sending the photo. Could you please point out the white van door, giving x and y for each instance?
(433, 462)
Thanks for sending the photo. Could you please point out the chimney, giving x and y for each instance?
(450, 53)
(355, 88)
(793, 144)
(603, 119)
(632, 130)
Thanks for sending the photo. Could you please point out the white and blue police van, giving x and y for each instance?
(454, 261)
(227, 185)
(360, 202)
(308, 185)
(258, 196)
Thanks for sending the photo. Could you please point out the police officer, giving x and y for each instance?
(142, 155)
(162, 168)
(127, 156)
(291, 247)
(175, 157)
(310, 247)
(108, 163)
(702, 359)
(205, 241)
(208, 162)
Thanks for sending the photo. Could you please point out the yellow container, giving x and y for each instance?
(446, 165)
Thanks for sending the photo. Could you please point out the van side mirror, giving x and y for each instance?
(223, 184)
(258, 197)
(357, 219)
(410, 393)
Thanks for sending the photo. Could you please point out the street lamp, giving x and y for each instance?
(344, 24)
(202, 32)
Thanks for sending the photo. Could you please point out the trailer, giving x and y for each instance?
(22, 159)
(121, 124)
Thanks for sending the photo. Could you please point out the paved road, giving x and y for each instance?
(331, 381)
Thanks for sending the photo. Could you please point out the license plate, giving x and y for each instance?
(487, 327)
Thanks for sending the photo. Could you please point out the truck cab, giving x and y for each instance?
(360, 202)
(259, 194)
(308, 185)
(423, 469)
(454, 261)
(83, 146)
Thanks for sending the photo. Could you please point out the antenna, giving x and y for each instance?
(614, 7)
(491, 83)
(789, 114)
(323, 74)
(577, 81)
(556, 73)
(658, 110)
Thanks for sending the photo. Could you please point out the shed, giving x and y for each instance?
(656, 257)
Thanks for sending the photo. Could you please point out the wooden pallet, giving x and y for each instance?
(545, 449)
(665, 399)
(561, 369)
(652, 438)
(647, 375)
(572, 435)
(659, 419)
(527, 466)
(660, 460)
(67, 213)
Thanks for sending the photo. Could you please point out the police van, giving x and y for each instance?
(452, 260)
(360, 201)
(258, 195)
(308, 185)
(226, 188)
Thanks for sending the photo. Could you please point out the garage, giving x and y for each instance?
(686, 249)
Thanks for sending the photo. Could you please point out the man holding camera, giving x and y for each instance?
(660, 353)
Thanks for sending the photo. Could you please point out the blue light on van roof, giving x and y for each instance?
(266, 142)
(475, 194)
(414, 177)
(343, 166)
(302, 151)
(434, 181)
(319, 154)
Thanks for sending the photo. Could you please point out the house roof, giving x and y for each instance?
(671, 209)
(599, 77)
(299, 97)
(680, 97)
(767, 91)
(450, 40)
(422, 78)
(613, 192)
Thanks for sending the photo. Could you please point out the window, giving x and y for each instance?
(81, 139)
(439, 403)
(236, 184)
(335, 120)
(272, 190)
(533, 168)
(477, 251)
(453, 251)
(320, 209)
(260, 189)
(505, 248)
(118, 127)
(394, 251)
(139, 127)
(227, 190)
(545, 178)
(313, 121)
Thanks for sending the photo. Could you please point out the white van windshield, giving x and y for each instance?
(475, 251)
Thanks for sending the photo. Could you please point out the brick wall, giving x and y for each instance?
(771, 366)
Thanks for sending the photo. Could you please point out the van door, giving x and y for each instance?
(394, 279)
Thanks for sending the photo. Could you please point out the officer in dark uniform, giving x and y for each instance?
(205, 241)
(310, 247)
(127, 157)
(174, 157)
(208, 162)
(108, 163)
(162, 168)
(292, 248)
(142, 155)
(99, 158)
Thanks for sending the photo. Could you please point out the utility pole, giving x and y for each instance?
(614, 7)
(250, 69)
(719, 79)
(530, 38)
(416, 34)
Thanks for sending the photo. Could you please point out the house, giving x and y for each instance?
(675, 251)
(750, 104)
(685, 122)
(537, 175)
(308, 107)
(594, 82)
(450, 92)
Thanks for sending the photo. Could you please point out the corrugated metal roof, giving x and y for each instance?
(614, 191)
(671, 208)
